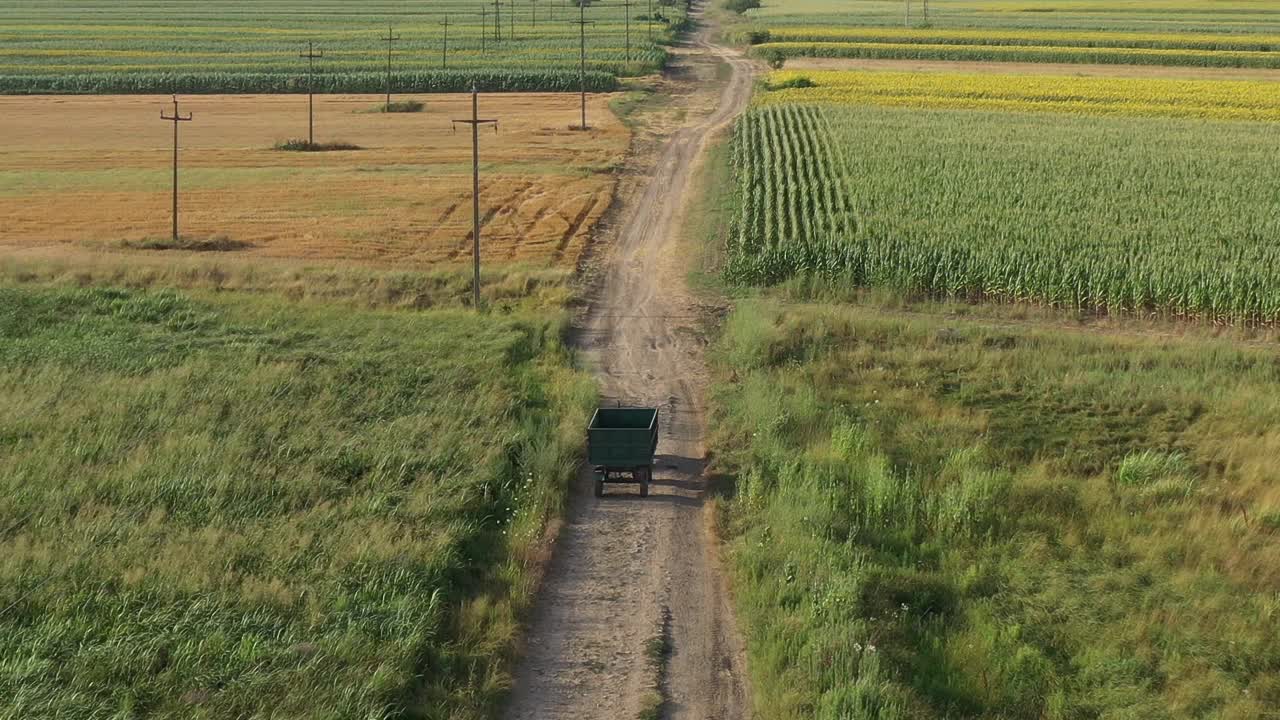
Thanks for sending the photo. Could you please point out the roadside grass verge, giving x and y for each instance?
(504, 289)
(942, 518)
(233, 504)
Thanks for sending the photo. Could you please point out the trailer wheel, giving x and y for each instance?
(644, 474)
(599, 491)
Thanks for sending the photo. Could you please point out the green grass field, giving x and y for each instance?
(280, 493)
(243, 46)
(1130, 215)
(938, 517)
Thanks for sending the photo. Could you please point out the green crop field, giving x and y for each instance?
(1172, 216)
(293, 501)
(1227, 16)
(251, 46)
(937, 517)
(1236, 33)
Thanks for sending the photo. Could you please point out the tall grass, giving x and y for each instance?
(503, 289)
(936, 518)
(225, 504)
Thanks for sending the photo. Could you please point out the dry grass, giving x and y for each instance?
(404, 200)
(506, 287)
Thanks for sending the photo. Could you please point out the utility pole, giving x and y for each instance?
(582, 22)
(484, 26)
(475, 122)
(497, 21)
(906, 19)
(390, 38)
(311, 56)
(926, 11)
(533, 14)
(512, 35)
(444, 49)
(649, 20)
(626, 4)
(175, 118)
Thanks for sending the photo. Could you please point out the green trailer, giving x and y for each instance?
(620, 446)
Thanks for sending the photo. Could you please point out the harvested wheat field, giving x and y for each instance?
(94, 172)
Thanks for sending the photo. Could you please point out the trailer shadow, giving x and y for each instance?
(685, 466)
(693, 486)
(682, 475)
(634, 496)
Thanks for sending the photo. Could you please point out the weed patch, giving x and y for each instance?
(215, 243)
(296, 145)
(940, 518)
(402, 106)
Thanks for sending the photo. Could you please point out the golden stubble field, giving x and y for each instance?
(81, 173)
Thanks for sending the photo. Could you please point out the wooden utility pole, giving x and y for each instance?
(175, 118)
(390, 38)
(475, 122)
(649, 20)
(311, 56)
(582, 22)
(533, 14)
(512, 35)
(626, 5)
(484, 26)
(444, 49)
(497, 21)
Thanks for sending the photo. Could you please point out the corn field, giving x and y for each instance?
(46, 45)
(1022, 53)
(1107, 214)
(190, 83)
(1027, 37)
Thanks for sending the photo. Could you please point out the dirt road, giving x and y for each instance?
(627, 570)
